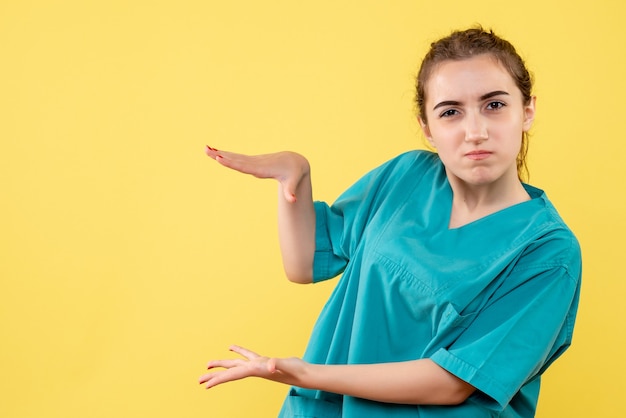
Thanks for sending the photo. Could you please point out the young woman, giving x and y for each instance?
(460, 283)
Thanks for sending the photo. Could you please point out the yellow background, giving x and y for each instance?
(128, 259)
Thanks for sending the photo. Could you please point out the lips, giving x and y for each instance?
(478, 155)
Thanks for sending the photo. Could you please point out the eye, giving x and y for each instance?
(448, 113)
(495, 105)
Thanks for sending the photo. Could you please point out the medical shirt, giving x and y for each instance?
(492, 302)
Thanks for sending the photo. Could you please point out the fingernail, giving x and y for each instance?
(211, 148)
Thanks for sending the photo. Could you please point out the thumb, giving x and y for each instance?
(289, 192)
(271, 365)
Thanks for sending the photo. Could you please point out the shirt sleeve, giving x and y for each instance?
(340, 227)
(527, 325)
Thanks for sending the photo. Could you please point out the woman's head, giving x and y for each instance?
(462, 45)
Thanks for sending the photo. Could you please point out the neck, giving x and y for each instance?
(472, 202)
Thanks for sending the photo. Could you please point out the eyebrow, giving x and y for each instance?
(481, 98)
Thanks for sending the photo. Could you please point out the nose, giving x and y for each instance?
(475, 129)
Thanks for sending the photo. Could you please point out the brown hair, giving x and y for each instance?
(460, 45)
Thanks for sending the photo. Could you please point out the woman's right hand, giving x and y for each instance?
(296, 213)
(286, 167)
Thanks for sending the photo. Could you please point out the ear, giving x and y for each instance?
(529, 114)
(426, 131)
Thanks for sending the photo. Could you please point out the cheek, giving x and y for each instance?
(509, 130)
(446, 136)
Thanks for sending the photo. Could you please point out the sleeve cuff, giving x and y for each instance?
(496, 396)
(323, 247)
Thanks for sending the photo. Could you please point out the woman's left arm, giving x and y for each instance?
(410, 382)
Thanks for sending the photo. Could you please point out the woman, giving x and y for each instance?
(460, 283)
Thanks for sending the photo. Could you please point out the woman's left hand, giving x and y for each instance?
(288, 370)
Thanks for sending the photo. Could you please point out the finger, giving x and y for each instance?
(221, 155)
(219, 377)
(271, 365)
(205, 378)
(212, 378)
(216, 379)
(250, 355)
(289, 195)
(243, 163)
(288, 188)
(226, 364)
(211, 152)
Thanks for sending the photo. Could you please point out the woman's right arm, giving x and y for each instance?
(296, 214)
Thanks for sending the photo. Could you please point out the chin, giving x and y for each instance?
(477, 176)
(480, 177)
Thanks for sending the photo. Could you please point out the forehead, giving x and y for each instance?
(468, 78)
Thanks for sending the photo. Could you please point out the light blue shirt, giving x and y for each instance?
(493, 302)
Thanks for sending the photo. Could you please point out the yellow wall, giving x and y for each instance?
(128, 259)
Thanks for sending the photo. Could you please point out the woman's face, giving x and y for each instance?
(476, 117)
